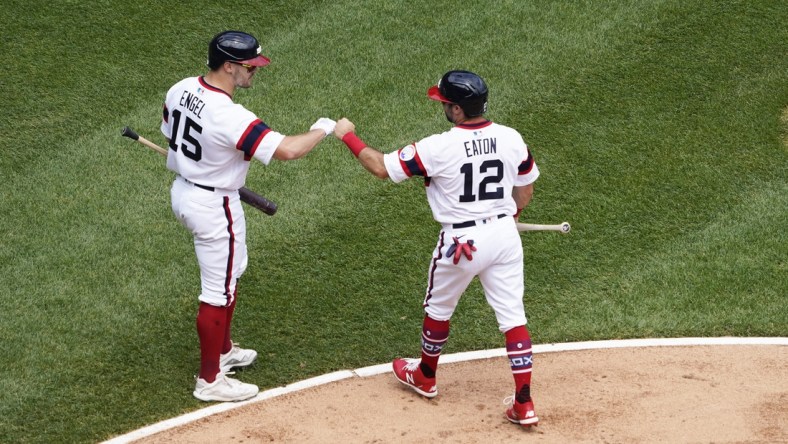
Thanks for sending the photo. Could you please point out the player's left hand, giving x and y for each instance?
(461, 249)
(343, 127)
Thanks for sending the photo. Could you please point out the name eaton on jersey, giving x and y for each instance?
(481, 146)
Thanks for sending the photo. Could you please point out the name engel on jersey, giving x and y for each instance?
(192, 103)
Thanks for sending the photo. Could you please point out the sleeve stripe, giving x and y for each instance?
(413, 167)
(527, 165)
(251, 138)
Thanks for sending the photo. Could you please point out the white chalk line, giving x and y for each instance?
(445, 359)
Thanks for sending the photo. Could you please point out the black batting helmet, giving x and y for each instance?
(463, 88)
(235, 46)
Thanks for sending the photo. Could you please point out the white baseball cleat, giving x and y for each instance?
(224, 389)
(236, 357)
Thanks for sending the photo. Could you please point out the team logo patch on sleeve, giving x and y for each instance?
(407, 153)
(410, 161)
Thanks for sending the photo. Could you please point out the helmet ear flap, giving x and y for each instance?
(478, 110)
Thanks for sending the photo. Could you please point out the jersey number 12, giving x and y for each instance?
(484, 194)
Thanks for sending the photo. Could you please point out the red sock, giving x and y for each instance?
(518, 348)
(211, 330)
(434, 335)
(228, 341)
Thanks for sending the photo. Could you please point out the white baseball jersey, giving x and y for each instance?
(212, 141)
(469, 170)
(211, 138)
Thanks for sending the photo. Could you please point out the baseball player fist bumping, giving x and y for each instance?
(477, 175)
(343, 127)
(212, 141)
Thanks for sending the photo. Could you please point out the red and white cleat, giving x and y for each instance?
(522, 414)
(408, 372)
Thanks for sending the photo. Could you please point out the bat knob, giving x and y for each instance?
(128, 132)
(565, 227)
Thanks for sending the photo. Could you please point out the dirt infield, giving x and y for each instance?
(677, 394)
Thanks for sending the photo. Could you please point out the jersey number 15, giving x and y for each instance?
(195, 151)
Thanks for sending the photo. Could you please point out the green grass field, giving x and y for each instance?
(660, 128)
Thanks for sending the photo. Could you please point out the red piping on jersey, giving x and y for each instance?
(417, 158)
(475, 125)
(202, 81)
(231, 253)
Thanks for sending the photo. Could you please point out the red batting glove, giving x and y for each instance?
(463, 248)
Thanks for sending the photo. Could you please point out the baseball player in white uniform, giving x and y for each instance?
(212, 141)
(477, 176)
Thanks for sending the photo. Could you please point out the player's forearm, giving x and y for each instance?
(296, 147)
(522, 195)
(370, 158)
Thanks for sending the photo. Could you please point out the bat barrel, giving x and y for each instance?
(257, 201)
(562, 228)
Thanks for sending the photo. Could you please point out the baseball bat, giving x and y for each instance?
(250, 197)
(562, 228)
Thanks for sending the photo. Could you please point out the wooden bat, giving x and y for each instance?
(563, 228)
(248, 196)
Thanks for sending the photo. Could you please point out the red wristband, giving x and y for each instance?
(354, 143)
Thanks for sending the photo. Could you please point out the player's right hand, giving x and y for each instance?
(325, 124)
(343, 127)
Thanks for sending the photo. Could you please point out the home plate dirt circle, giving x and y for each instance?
(687, 390)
